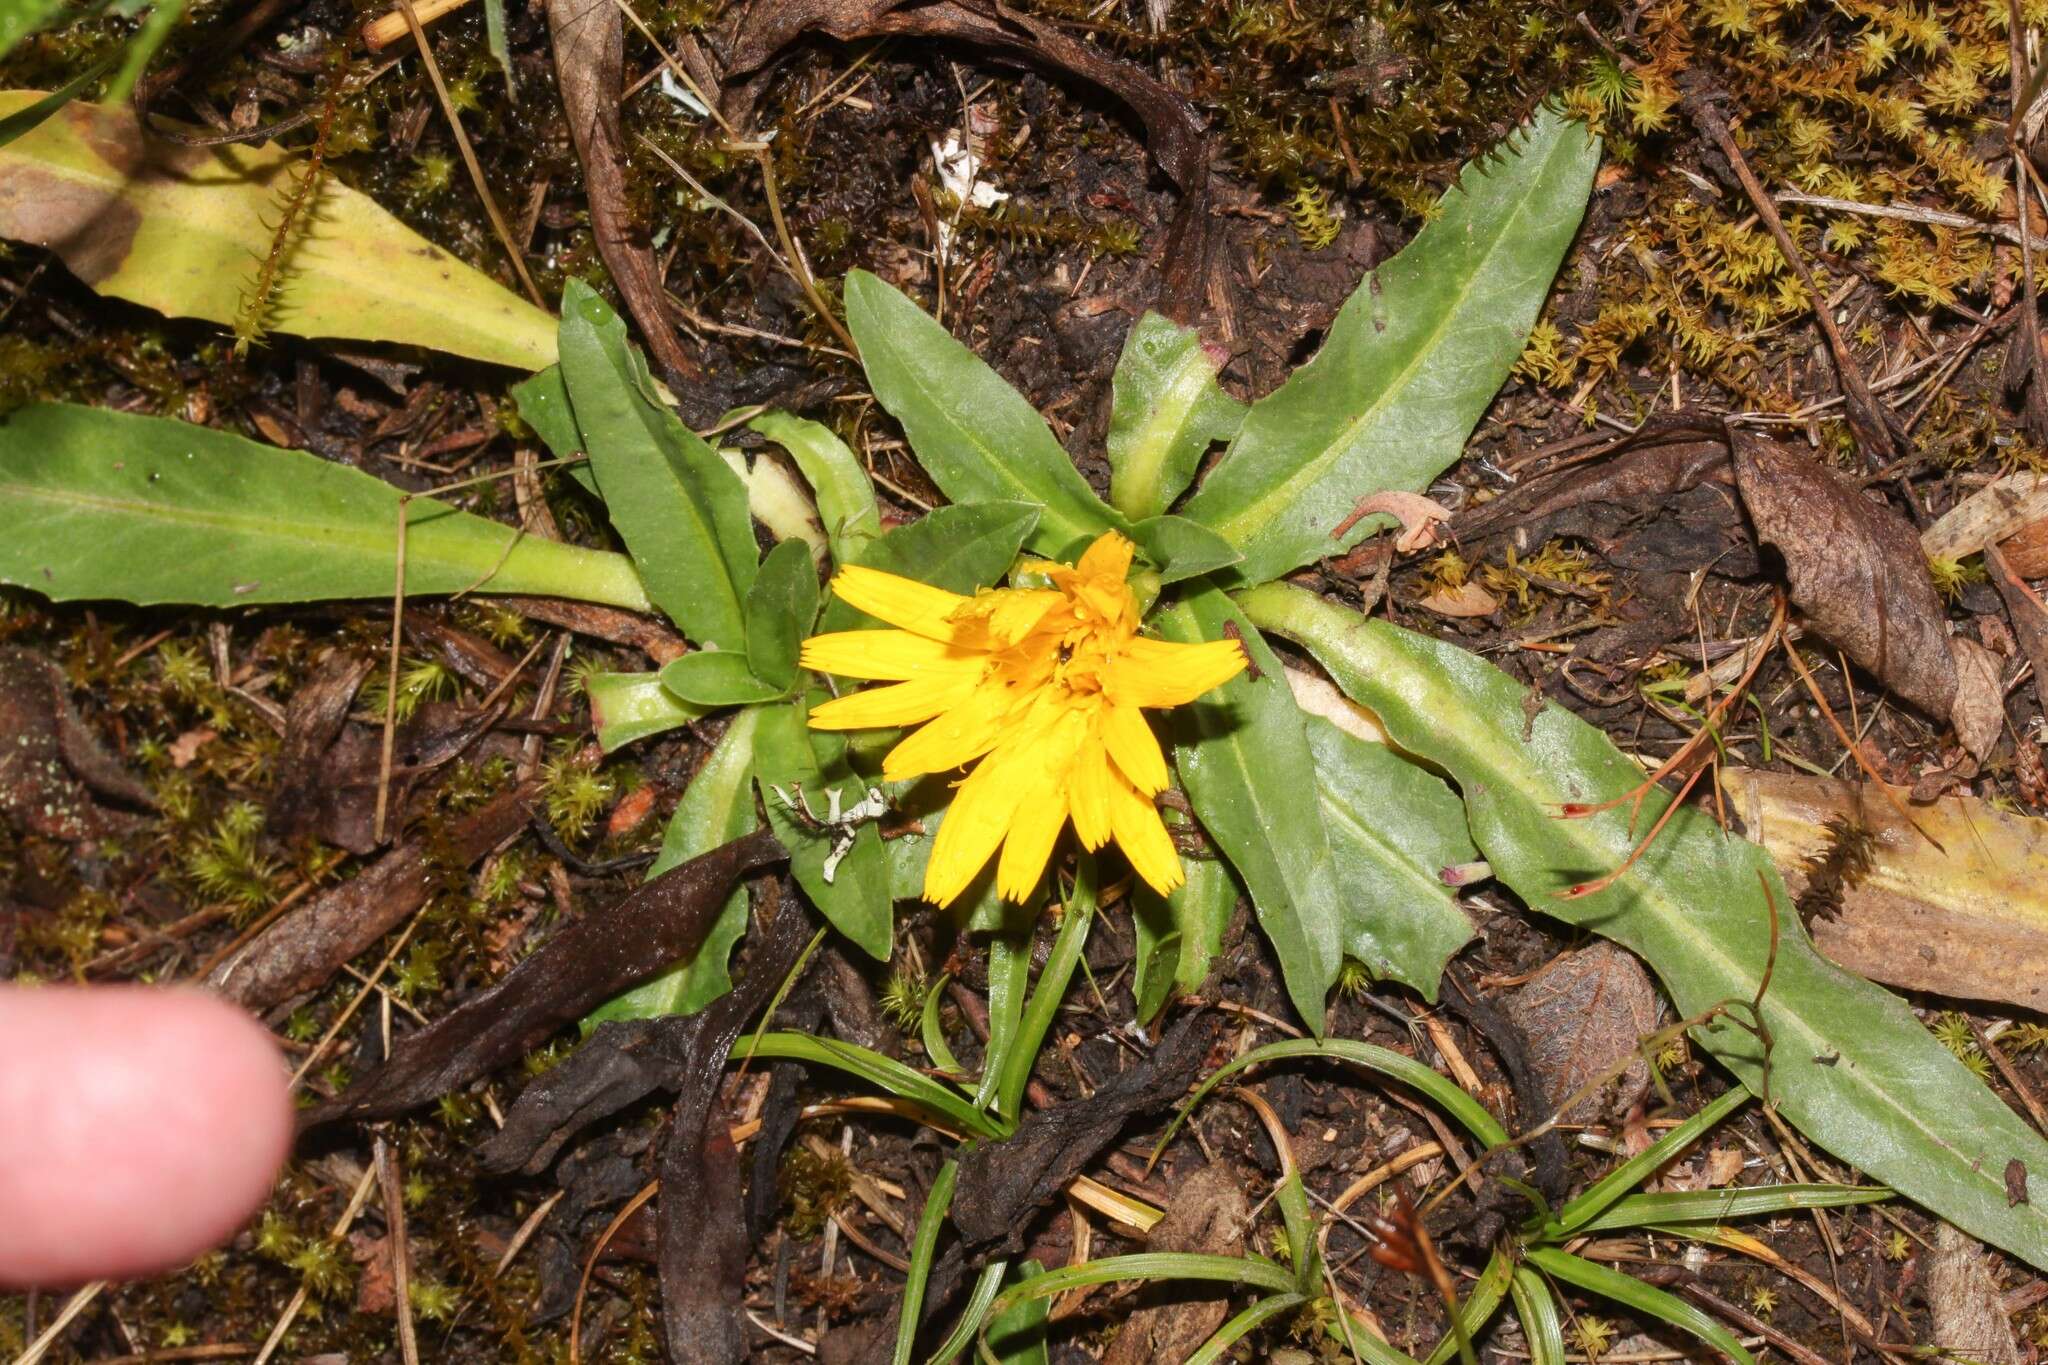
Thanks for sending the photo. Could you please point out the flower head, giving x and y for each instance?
(1041, 689)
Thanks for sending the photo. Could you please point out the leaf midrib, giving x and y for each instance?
(1288, 488)
(1666, 911)
(1174, 409)
(990, 460)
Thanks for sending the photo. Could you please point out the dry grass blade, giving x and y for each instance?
(476, 171)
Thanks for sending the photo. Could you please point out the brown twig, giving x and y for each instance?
(476, 171)
(1866, 419)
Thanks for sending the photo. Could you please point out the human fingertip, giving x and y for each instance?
(139, 1126)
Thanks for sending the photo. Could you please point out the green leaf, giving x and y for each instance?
(1009, 986)
(932, 1034)
(1165, 409)
(884, 1073)
(176, 228)
(1537, 1307)
(987, 1285)
(780, 608)
(1177, 935)
(1478, 1306)
(1244, 761)
(19, 18)
(1393, 829)
(543, 403)
(1637, 1168)
(26, 120)
(1244, 1324)
(974, 434)
(1048, 993)
(1851, 1066)
(958, 548)
(712, 678)
(1633, 1294)
(845, 497)
(1182, 548)
(96, 503)
(924, 1246)
(789, 755)
(1017, 1334)
(680, 509)
(1717, 1206)
(629, 706)
(1412, 361)
(718, 806)
(1367, 1056)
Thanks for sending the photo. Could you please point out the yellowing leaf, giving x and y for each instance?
(182, 230)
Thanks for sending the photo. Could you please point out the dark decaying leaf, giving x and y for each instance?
(590, 53)
(1632, 475)
(765, 27)
(1208, 1216)
(703, 1241)
(307, 799)
(1856, 570)
(50, 763)
(303, 949)
(587, 963)
(1003, 1183)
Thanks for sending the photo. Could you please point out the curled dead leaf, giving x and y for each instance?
(1468, 600)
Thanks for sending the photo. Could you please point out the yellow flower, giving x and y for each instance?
(1043, 686)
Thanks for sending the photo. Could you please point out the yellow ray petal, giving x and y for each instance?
(952, 740)
(1160, 673)
(1142, 835)
(901, 602)
(1131, 743)
(1028, 846)
(1088, 794)
(904, 703)
(975, 823)
(894, 655)
(1109, 558)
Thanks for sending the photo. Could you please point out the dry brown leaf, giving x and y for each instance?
(1207, 1216)
(1856, 569)
(1989, 515)
(1971, 921)
(1418, 516)
(1584, 1014)
(1468, 600)
(590, 53)
(1970, 1321)
(186, 747)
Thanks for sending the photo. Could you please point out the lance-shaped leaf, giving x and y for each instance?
(717, 807)
(844, 494)
(106, 504)
(1165, 409)
(780, 608)
(1394, 828)
(1243, 757)
(629, 706)
(679, 507)
(958, 548)
(1410, 364)
(1177, 935)
(974, 434)
(180, 229)
(1849, 1064)
(794, 764)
